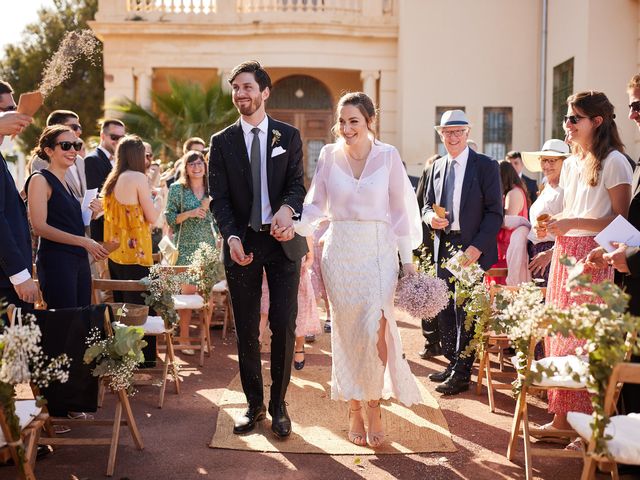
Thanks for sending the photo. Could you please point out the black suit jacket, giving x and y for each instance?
(481, 210)
(15, 249)
(97, 168)
(231, 186)
(631, 282)
(532, 187)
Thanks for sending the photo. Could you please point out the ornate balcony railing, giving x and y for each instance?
(213, 7)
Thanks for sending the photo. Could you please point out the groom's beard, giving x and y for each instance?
(248, 109)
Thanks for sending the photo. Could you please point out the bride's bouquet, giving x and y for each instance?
(422, 295)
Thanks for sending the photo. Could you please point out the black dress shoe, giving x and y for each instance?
(299, 365)
(280, 421)
(430, 351)
(441, 376)
(453, 385)
(247, 422)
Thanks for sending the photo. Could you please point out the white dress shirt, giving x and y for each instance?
(460, 167)
(267, 214)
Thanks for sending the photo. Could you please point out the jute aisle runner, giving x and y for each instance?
(320, 424)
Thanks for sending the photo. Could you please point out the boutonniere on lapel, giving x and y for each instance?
(276, 137)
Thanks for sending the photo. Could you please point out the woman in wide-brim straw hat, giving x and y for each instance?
(549, 203)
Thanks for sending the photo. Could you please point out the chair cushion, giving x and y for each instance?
(26, 411)
(187, 302)
(220, 287)
(578, 364)
(153, 326)
(625, 430)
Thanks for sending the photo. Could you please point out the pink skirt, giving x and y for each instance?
(308, 319)
(562, 401)
(316, 271)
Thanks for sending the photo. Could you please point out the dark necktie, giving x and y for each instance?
(449, 186)
(256, 206)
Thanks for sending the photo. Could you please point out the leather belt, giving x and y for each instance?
(266, 227)
(454, 232)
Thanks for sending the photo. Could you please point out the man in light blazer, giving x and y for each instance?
(467, 185)
(75, 176)
(257, 188)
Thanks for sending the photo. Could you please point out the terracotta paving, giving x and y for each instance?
(176, 437)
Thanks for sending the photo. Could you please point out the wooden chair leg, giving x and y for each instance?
(165, 373)
(527, 442)
(483, 359)
(101, 390)
(123, 400)
(589, 468)
(115, 436)
(208, 311)
(614, 472)
(490, 389)
(170, 355)
(515, 426)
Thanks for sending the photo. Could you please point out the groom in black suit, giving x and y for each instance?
(257, 189)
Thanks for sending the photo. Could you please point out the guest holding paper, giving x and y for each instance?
(56, 217)
(549, 203)
(596, 180)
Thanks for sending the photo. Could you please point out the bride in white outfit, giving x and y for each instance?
(362, 188)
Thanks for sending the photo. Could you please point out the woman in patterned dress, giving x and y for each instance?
(188, 214)
(596, 180)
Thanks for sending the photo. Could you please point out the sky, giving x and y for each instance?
(20, 13)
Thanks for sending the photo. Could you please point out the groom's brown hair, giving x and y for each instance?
(259, 73)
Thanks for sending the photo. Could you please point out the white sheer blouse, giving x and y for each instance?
(382, 193)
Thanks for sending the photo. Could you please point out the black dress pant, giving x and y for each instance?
(245, 286)
(65, 279)
(454, 337)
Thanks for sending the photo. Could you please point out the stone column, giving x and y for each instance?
(143, 95)
(369, 86)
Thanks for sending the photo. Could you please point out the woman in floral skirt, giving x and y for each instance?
(596, 180)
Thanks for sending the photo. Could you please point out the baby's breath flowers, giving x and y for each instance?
(116, 357)
(59, 67)
(162, 283)
(422, 295)
(205, 268)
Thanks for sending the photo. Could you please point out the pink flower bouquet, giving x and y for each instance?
(422, 295)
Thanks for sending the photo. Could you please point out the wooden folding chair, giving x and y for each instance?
(195, 303)
(624, 444)
(32, 419)
(521, 418)
(495, 344)
(153, 327)
(122, 406)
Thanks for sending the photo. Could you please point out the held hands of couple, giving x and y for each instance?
(282, 224)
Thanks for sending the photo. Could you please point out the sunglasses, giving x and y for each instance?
(635, 106)
(114, 137)
(66, 146)
(9, 108)
(573, 118)
(76, 127)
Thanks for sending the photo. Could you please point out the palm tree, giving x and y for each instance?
(187, 110)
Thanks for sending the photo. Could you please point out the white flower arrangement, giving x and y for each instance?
(205, 268)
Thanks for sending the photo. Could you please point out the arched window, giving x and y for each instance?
(299, 92)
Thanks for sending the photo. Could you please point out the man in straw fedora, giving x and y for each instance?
(467, 185)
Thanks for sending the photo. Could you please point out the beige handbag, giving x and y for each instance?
(169, 251)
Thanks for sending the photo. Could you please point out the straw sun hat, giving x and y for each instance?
(551, 148)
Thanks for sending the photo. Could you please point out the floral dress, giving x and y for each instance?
(190, 233)
(125, 225)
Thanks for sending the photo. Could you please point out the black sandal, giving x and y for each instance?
(299, 365)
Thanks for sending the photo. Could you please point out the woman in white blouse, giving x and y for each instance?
(549, 203)
(596, 181)
(362, 188)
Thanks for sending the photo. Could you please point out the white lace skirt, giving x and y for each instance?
(360, 270)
